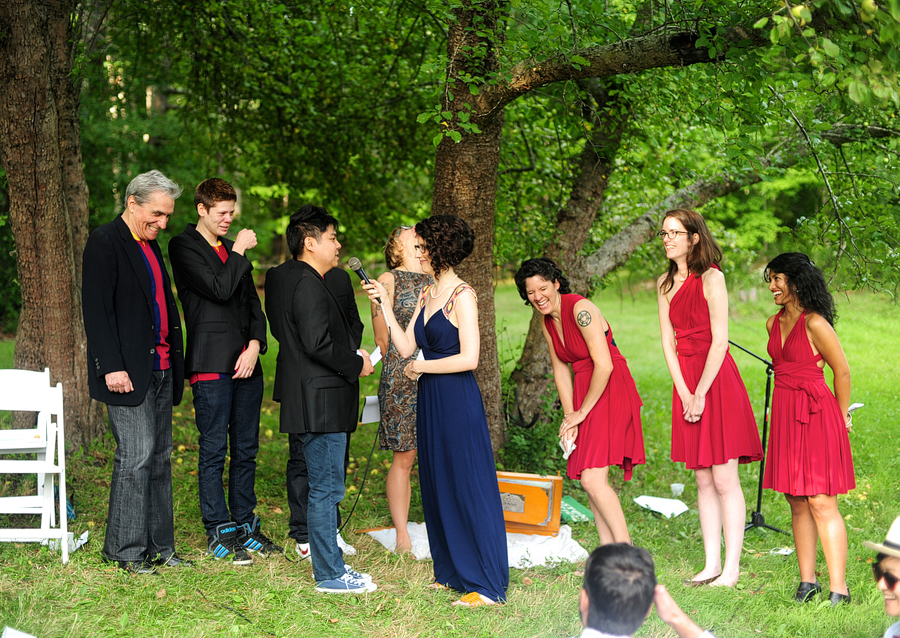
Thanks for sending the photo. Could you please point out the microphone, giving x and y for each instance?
(357, 267)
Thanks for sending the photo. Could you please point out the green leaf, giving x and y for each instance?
(831, 49)
(759, 24)
(437, 138)
(473, 89)
(577, 59)
(423, 117)
(447, 115)
(456, 136)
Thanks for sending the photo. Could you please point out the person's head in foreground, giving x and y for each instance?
(619, 583)
(886, 569)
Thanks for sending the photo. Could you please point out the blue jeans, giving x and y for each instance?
(140, 524)
(227, 411)
(298, 488)
(324, 455)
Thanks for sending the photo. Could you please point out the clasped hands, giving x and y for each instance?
(693, 407)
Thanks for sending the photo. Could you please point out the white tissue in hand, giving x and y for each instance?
(567, 446)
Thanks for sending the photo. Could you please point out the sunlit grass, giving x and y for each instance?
(88, 598)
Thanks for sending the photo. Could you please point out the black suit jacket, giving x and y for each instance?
(222, 311)
(317, 370)
(341, 286)
(117, 303)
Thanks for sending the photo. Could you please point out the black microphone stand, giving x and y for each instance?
(756, 517)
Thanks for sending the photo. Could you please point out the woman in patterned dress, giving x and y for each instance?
(396, 393)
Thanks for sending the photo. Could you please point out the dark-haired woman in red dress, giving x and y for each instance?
(713, 428)
(602, 407)
(809, 456)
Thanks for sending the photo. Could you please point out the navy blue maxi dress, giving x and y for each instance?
(460, 495)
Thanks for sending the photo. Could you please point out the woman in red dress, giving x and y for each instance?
(809, 451)
(602, 408)
(713, 428)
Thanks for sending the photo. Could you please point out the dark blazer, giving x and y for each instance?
(340, 284)
(118, 315)
(317, 369)
(222, 311)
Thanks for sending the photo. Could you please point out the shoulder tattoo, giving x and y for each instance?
(583, 318)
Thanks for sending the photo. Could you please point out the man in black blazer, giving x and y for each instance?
(226, 333)
(136, 367)
(317, 382)
(341, 286)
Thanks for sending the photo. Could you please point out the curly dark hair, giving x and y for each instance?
(807, 283)
(448, 240)
(542, 267)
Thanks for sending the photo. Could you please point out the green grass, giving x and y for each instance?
(86, 597)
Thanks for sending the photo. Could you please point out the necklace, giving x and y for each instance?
(444, 289)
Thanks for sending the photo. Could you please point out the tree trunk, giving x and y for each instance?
(573, 222)
(40, 149)
(465, 184)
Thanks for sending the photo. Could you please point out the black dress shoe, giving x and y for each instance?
(836, 599)
(175, 561)
(806, 591)
(136, 567)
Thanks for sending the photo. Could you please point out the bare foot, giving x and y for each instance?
(403, 547)
(707, 574)
(703, 578)
(726, 580)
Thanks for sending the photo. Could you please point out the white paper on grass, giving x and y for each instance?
(9, 632)
(371, 412)
(73, 544)
(668, 507)
(524, 550)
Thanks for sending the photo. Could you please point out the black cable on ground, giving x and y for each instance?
(232, 609)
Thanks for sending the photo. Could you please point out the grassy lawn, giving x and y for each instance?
(275, 596)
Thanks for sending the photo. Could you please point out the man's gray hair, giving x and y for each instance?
(145, 184)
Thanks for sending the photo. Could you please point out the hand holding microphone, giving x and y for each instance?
(368, 286)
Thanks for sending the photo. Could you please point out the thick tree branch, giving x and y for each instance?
(657, 50)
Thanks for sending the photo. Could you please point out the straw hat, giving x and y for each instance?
(891, 545)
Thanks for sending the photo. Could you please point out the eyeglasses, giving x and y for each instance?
(889, 579)
(671, 234)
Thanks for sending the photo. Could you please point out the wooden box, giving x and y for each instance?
(531, 502)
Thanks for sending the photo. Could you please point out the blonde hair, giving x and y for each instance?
(393, 249)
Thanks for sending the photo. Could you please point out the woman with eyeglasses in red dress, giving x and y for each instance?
(713, 428)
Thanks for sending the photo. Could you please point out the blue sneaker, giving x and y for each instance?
(224, 543)
(253, 540)
(366, 578)
(346, 584)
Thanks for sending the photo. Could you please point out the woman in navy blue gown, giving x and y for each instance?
(460, 495)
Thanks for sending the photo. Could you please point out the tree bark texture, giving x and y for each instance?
(465, 184)
(573, 222)
(40, 149)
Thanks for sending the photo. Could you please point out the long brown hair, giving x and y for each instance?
(701, 255)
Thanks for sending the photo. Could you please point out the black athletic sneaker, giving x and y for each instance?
(255, 541)
(225, 543)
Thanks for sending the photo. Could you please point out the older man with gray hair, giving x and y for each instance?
(136, 367)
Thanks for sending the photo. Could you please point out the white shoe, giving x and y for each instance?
(303, 550)
(347, 548)
(366, 578)
(346, 584)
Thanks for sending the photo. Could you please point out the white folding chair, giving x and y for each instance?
(27, 391)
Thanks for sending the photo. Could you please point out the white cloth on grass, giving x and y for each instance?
(525, 550)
